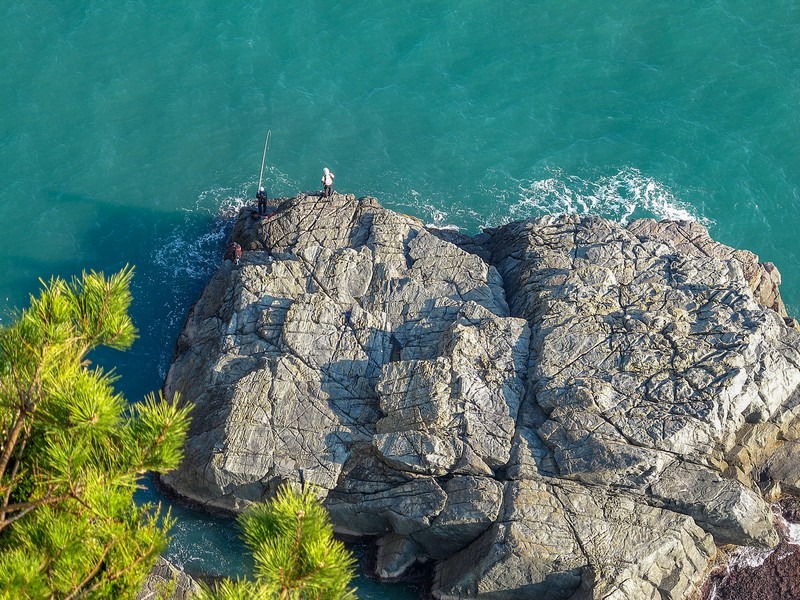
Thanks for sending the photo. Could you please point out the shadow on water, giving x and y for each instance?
(210, 544)
(174, 254)
(211, 547)
(78, 232)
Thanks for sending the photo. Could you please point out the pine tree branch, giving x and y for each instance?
(34, 503)
(23, 508)
(44, 370)
(284, 588)
(11, 442)
(12, 477)
(27, 407)
(78, 593)
(159, 439)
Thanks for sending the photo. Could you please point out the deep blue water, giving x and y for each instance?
(129, 130)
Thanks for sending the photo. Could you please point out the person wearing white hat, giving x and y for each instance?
(327, 182)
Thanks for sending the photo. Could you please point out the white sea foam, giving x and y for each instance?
(749, 557)
(436, 210)
(792, 530)
(195, 256)
(193, 259)
(793, 533)
(622, 196)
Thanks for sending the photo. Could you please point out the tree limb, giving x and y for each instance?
(24, 508)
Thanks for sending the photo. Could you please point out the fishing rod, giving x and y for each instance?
(264, 158)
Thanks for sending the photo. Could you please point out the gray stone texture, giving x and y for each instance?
(167, 582)
(563, 407)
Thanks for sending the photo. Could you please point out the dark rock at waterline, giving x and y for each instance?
(776, 579)
(554, 407)
(758, 574)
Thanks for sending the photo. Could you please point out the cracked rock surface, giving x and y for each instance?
(563, 407)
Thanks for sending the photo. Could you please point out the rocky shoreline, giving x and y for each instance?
(557, 408)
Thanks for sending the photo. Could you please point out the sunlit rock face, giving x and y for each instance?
(554, 407)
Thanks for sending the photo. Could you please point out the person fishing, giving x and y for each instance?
(327, 182)
(261, 196)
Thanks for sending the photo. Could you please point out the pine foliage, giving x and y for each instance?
(296, 555)
(73, 450)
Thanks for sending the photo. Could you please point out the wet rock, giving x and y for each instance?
(395, 555)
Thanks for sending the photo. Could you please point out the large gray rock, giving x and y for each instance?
(292, 357)
(650, 366)
(556, 407)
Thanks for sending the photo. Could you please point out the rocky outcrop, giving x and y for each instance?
(167, 582)
(557, 408)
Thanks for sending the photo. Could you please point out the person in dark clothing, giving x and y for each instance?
(261, 196)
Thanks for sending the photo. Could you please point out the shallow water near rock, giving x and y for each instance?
(210, 546)
(129, 132)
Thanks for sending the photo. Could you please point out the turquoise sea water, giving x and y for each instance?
(130, 130)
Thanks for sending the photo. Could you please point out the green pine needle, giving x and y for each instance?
(74, 450)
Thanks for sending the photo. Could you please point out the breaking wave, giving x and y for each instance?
(621, 197)
(192, 254)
